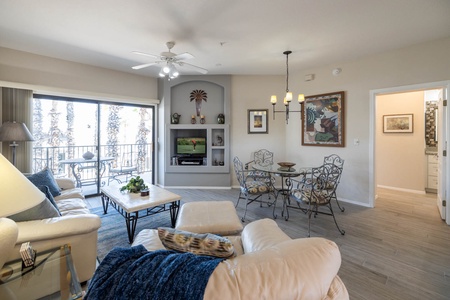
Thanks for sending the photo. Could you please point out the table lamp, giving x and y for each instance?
(14, 132)
(17, 194)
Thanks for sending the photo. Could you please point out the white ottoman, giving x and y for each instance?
(217, 217)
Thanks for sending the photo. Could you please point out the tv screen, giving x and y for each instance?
(191, 146)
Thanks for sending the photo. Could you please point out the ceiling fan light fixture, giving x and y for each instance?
(166, 69)
(173, 72)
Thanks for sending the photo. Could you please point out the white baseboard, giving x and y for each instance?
(196, 187)
(401, 190)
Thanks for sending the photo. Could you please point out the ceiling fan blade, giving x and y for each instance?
(146, 54)
(199, 69)
(144, 65)
(183, 56)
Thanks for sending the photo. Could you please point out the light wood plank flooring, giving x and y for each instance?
(398, 250)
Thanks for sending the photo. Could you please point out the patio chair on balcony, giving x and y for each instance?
(125, 167)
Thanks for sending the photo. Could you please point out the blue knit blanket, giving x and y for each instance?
(139, 274)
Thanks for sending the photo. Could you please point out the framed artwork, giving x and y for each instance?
(323, 120)
(398, 123)
(257, 121)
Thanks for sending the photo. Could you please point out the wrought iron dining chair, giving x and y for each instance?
(262, 157)
(334, 159)
(126, 166)
(316, 191)
(251, 189)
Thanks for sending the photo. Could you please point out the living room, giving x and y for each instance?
(422, 65)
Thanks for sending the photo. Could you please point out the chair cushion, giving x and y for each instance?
(304, 195)
(45, 178)
(197, 243)
(257, 187)
(43, 210)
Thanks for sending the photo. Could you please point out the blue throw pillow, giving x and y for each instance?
(49, 196)
(45, 178)
(43, 210)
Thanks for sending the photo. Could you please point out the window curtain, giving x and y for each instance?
(17, 106)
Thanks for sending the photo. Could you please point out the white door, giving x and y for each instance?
(442, 145)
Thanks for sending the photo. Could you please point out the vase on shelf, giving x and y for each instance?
(193, 120)
(221, 119)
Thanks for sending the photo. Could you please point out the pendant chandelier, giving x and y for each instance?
(288, 96)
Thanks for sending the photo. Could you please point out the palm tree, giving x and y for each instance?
(198, 96)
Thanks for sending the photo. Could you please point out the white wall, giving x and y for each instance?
(401, 161)
(413, 65)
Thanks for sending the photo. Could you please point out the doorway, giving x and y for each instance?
(95, 143)
(375, 122)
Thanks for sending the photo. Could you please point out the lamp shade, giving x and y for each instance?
(17, 193)
(15, 132)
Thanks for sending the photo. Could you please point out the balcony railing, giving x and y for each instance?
(139, 155)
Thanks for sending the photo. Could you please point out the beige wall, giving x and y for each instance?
(401, 157)
(422, 63)
(49, 75)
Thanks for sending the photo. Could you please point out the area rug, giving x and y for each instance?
(113, 232)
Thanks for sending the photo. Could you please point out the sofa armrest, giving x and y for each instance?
(65, 183)
(53, 228)
(294, 269)
(262, 234)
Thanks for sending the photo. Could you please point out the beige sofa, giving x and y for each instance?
(271, 265)
(76, 226)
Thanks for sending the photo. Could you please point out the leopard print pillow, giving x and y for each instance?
(203, 244)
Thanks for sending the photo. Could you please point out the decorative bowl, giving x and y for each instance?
(88, 155)
(286, 164)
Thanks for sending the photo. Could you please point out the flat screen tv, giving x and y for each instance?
(191, 146)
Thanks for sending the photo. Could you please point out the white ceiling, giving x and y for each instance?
(225, 36)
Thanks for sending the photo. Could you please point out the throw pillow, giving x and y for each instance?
(203, 244)
(45, 177)
(43, 210)
(49, 196)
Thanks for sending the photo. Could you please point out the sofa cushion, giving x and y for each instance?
(45, 178)
(43, 210)
(203, 244)
(72, 206)
(70, 194)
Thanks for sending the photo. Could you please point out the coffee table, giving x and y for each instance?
(53, 276)
(133, 206)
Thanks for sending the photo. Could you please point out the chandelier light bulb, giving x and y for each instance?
(273, 99)
(301, 98)
(289, 96)
(166, 69)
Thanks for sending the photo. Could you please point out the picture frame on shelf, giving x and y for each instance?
(257, 121)
(323, 121)
(401, 123)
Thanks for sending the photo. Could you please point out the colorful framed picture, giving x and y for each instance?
(323, 120)
(257, 121)
(403, 123)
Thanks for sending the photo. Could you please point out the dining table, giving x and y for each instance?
(77, 165)
(286, 174)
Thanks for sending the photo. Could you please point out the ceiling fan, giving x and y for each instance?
(168, 60)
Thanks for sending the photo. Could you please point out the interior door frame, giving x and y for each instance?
(445, 85)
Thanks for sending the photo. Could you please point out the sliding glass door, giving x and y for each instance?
(95, 143)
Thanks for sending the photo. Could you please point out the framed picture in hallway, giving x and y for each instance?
(257, 121)
(323, 120)
(398, 123)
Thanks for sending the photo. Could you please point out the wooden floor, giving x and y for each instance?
(398, 250)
